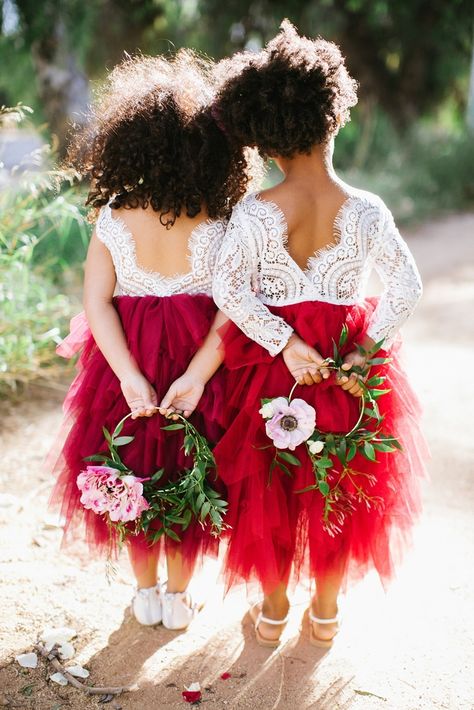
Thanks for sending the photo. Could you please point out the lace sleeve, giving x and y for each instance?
(396, 267)
(235, 275)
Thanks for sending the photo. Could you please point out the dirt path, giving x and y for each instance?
(406, 650)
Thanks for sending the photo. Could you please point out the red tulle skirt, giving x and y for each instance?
(162, 334)
(277, 533)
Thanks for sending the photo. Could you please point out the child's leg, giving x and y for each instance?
(275, 606)
(179, 571)
(144, 561)
(324, 602)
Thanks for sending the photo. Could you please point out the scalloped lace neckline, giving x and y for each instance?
(127, 233)
(319, 254)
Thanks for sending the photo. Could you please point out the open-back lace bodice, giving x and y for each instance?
(255, 270)
(134, 280)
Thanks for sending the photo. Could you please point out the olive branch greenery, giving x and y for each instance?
(366, 438)
(175, 503)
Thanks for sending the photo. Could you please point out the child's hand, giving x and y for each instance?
(182, 397)
(304, 362)
(352, 382)
(139, 395)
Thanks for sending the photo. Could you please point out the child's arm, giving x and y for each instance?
(104, 322)
(396, 267)
(185, 392)
(235, 296)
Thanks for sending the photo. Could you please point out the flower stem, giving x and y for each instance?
(356, 426)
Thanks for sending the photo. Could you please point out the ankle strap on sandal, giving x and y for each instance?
(272, 622)
(318, 620)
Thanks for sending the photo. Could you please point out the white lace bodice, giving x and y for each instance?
(255, 270)
(134, 280)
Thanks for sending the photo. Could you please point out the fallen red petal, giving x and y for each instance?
(191, 696)
(225, 676)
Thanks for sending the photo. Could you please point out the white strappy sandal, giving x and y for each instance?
(315, 640)
(257, 617)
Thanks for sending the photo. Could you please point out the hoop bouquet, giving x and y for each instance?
(291, 422)
(131, 504)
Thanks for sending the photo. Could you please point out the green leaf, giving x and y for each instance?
(111, 463)
(172, 427)
(324, 488)
(324, 462)
(123, 440)
(387, 448)
(171, 533)
(290, 458)
(378, 361)
(216, 517)
(341, 450)
(107, 435)
(118, 429)
(284, 468)
(369, 451)
(330, 444)
(335, 352)
(157, 475)
(391, 440)
(157, 534)
(376, 346)
(343, 336)
(308, 488)
(200, 500)
(378, 393)
(370, 413)
(375, 380)
(188, 444)
(351, 451)
(205, 510)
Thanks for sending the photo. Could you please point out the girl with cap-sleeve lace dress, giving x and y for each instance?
(164, 180)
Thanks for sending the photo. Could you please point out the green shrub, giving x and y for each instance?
(39, 217)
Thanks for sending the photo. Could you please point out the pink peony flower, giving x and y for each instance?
(291, 424)
(104, 491)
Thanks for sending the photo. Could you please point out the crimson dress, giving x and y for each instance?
(165, 320)
(275, 530)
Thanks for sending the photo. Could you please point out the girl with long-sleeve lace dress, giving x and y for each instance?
(290, 275)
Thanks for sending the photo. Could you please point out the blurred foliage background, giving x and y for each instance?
(410, 138)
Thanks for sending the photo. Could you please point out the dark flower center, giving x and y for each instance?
(289, 422)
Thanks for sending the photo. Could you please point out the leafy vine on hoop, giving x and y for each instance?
(131, 504)
(291, 422)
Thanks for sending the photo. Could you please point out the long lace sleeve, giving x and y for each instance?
(235, 284)
(396, 267)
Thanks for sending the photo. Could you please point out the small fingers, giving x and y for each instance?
(356, 389)
(305, 377)
(138, 412)
(316, 376)
(348, 382)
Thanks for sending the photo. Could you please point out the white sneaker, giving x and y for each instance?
(178, 609)
(146, 605)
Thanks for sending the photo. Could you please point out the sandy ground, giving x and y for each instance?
(407, 649)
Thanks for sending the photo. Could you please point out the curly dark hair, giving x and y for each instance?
(151, 139)
(293, 94)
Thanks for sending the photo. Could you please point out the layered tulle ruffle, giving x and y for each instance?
(162, 335)
(275, 529)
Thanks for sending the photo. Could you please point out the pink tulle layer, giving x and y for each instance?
(162, 334)
(274, 528)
